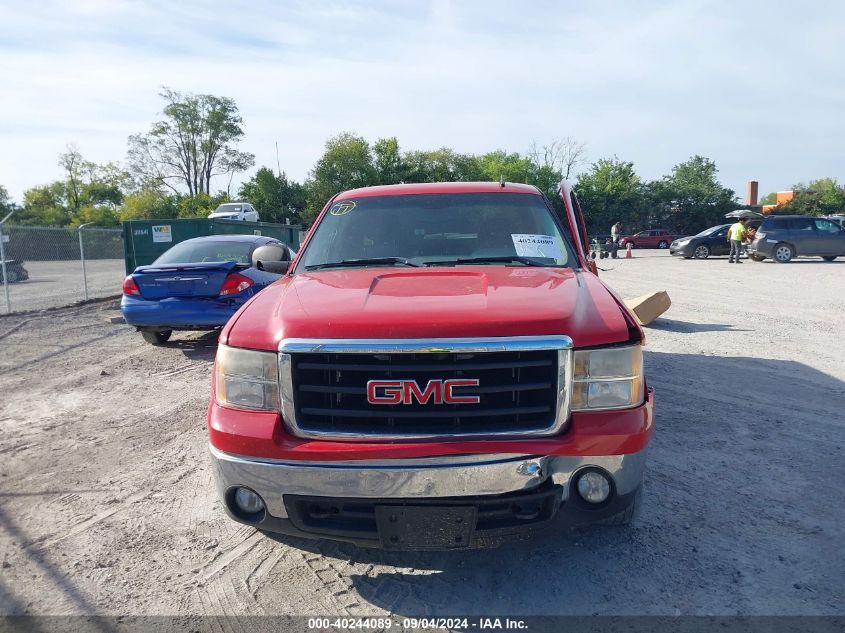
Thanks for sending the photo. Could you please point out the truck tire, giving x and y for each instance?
(663, 244)
(828, 258)
(628, 515)
(156, 338)
(783, 253)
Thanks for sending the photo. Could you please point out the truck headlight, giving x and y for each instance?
(246, 379)
(610, 378)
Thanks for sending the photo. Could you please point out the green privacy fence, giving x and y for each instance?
(145, 240)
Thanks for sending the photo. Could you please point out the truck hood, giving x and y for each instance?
(477, 301)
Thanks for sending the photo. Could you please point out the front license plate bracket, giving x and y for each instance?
(425, 527)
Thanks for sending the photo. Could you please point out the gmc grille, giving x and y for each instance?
(517, 392)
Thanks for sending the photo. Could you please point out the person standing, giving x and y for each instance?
(615, 232)
(736, 235)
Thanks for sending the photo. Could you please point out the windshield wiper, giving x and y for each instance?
(505, 259)
(375, 261)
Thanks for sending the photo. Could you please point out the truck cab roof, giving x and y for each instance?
(439, 187)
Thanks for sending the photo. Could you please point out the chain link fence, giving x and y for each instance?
(45, 267)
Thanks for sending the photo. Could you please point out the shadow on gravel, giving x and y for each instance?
(743, 514)
(671, 325)
(63, 349)
(59, 582)
(199, 348)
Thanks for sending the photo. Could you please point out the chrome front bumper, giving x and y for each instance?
(447, 476)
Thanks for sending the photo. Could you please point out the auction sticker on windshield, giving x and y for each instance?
(537, 245)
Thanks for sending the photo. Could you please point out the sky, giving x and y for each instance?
(757, 86)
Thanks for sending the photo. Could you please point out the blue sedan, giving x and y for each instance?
(199, 284)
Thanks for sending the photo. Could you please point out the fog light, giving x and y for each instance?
(247, 501)
(593, 487)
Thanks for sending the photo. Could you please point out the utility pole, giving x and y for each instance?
(278, 165)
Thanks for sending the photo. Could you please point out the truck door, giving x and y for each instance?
(577, 226)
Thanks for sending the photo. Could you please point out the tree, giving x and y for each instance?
(512, 167)
(194, 142)
(92, 192)
(769, 198)
(233, 162)
(6, 204)
(441, 165)
(611, 191)
(199, 205)
(562, 156)
(389, 166)
(45, 206)
(817, 197)
(346, 163)
(75, 168)
(105, 185)
(148, 204)
(691, 198)
(101, 216)
(274, 197)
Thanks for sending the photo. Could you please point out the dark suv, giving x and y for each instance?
(783, 237)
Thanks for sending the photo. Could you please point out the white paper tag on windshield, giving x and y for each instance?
(537, 245)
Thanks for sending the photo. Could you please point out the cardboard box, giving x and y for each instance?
(648, 307)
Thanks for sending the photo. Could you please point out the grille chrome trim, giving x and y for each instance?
(438, 345)
(563, 344)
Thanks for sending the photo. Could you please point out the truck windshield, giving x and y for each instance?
(438, 230)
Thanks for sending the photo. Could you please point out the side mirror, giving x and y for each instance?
(279, 268)
(272, 258)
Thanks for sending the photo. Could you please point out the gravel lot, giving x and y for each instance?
(107, 503)
(58, 283)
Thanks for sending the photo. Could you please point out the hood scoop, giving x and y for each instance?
(467, 288)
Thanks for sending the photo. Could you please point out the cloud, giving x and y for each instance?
(758, 90)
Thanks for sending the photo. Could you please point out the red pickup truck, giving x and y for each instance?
(439, 368)
(653, 238)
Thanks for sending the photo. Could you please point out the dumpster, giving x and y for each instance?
(145, 240)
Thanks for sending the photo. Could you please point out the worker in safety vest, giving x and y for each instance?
(736, 234)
